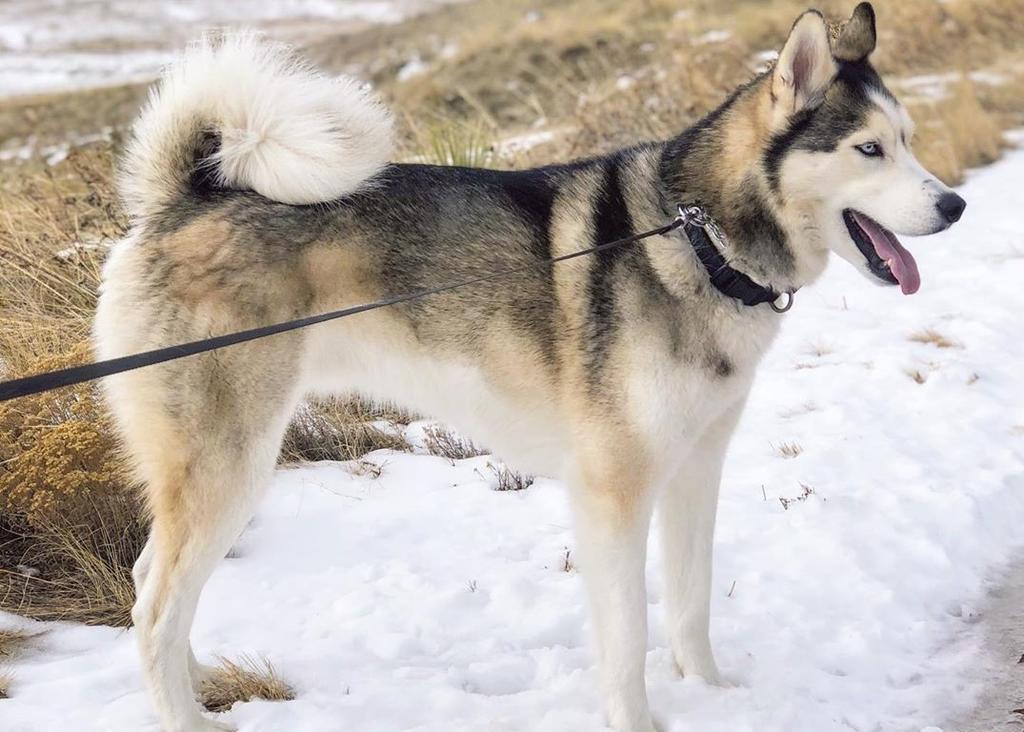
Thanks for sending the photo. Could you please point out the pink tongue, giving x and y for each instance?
(888, 247)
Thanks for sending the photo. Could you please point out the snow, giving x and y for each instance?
(528, 140)
(424, 600)
(936, 87)
(414, 67)
(54, 45)
(714, 36)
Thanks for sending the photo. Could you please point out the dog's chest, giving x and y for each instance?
(673, 398)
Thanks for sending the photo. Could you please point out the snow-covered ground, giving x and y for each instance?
(54, 45)
(424, 600)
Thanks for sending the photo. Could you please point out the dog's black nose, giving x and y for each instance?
(951, 206)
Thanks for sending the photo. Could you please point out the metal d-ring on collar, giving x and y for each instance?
(702, 231)
(788, 294)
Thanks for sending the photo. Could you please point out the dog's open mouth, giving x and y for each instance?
(888, 260)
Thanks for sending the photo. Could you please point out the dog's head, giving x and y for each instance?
(840, 151)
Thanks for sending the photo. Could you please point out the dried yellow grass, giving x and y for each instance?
(934, 338)
(248, 678)
(342, 429)
(12, 642)
(71, 524)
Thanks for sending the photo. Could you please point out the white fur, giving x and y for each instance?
(286, 131)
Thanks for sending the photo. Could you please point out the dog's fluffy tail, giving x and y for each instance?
(244, 113)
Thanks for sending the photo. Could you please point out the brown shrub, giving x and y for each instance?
(58, 456)
(71, 526)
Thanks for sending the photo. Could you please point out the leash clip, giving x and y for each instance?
(694, 214)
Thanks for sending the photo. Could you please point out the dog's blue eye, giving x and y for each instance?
(871, 149)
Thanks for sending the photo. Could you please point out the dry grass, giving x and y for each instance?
(917, 375)
(934, 338)
(461, 144)
(341, 429)
(805, 492)
(788, 450)
(564, 68)
(12, 642)
(248, 678)
(63, 571)
(71, 525)
(55, 224)
(956, 132)
(445, 443)
(568, 565)
(507, 479)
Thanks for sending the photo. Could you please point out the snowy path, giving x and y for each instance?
(423, 600)
(1000, 673)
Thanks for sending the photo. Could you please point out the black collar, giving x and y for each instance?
(728, 281)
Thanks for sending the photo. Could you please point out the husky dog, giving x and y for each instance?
(262, 191)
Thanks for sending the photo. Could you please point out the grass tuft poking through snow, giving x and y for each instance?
(11, 643)
(342, 429)
(917, 375)
(443, 442)
(789, 449)
(933, 337)
(243, 680)
(508, 479)
(805, 492)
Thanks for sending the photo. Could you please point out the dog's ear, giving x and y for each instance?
(857, 39)
(805, 68)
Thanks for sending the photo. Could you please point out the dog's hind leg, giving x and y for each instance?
(198, 672)
(205, 437)
(612, 515)
(195, 523)
(686, 511)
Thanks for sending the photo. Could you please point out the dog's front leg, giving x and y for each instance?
(612, 523)
(686, 510)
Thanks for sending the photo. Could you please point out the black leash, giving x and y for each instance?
(693, 218)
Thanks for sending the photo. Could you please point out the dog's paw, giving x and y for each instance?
(202, 723)
(710, 676)
(633, 720)
(647, 725)
(212, 725)
(694, 659)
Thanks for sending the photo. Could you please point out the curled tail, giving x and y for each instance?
(251, 115)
